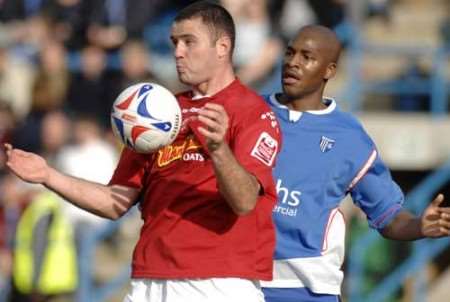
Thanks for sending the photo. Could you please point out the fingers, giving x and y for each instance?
(437, 218)
(8, 149)
(214, 106)
(214, 117)
(445, 211)
(205, 132)
(442, 225)
(442, 210)
(212, 133)
(214, 112)
(438, 200)
(215, 124)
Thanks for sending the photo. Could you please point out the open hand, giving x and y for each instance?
(435, 220)
(27, 166)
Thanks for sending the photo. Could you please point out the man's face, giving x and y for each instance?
(304, 66)
(195, 51)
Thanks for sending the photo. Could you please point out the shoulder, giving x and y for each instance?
(246, 102)
(268, 99)
(349, 132)
(352, 126)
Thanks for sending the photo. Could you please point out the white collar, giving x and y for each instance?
(199, 96)
(295, 115)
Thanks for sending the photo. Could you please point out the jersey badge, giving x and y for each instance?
(265, 149)
(326, 144)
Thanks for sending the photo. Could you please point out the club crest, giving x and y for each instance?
(326, 144)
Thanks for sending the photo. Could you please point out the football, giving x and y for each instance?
(146, 117)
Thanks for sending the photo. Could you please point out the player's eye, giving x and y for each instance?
(307, 56)
(189, 42)
(288, 53)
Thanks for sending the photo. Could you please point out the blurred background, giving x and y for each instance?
(62, 63)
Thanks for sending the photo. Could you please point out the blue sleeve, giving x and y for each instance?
(378, 195)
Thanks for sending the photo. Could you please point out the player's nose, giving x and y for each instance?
(179, 51)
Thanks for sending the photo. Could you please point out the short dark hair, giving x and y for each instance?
(213, 15)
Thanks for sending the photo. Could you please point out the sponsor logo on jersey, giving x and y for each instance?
(326, 144)
(288, 200)
(190, 110)
(265, 149)
(182, 150)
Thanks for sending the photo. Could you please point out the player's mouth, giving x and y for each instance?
(180, 67)
(290, 77)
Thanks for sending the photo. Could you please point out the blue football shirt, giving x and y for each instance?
(326, 154)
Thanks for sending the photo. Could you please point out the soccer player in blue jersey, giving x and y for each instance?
(326, 155)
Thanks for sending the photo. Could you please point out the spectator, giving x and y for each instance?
(49, 93)
(136, 67)
(89, 157)
(7, 124)
(116, 21)
(257, 47)
(16, 81)
(90, 91)
(69, 21)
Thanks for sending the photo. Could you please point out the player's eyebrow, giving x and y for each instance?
(290, 48)
(306, 51)
(182, 36)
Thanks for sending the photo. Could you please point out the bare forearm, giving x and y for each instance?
(239, 188)
(104, 201)
(405, 226)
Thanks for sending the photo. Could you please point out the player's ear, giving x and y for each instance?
(223, 46)
(331, 71)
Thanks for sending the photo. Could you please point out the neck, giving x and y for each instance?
(222, 79)
(303, 103)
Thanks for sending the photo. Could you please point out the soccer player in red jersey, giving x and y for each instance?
(207, 198)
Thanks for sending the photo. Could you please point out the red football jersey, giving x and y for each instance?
(189, 229)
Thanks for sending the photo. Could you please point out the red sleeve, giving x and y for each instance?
(131, 169)
(256, 142)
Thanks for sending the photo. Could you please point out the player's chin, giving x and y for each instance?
(291, 90)
(184, 78)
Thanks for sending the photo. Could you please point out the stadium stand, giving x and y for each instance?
(396, 77)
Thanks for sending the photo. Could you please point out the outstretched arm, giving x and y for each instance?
(434, 223)
(105, 201)
(239, 188)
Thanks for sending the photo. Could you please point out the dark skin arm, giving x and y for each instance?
(433, 223)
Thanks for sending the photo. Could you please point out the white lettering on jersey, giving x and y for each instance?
(265, 149)
(192, 110)
(193, 157)
(288, 201)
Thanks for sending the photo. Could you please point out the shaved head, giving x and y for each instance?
(309, 62)
(325, 38)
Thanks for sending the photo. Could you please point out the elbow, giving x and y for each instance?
(115, 215)
(245, 207)
(242, 211)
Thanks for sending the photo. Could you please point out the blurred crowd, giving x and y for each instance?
(63, 62)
